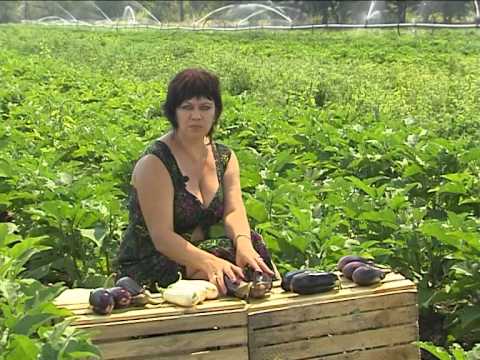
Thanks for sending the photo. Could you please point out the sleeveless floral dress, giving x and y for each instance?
(138, 257)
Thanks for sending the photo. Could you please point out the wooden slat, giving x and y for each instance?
(78, 296)
(327, 308)
(174, 344)
(284, 299)
(336, 325)
(142, 313)
(237, 353)
(401, 352)
(234, 353)
(77, 299)
(163, 325)
(339, 343)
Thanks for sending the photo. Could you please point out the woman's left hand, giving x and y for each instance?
(246, 255)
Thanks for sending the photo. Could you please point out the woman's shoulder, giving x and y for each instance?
(156, 150)
(223, 149)
(159, 148)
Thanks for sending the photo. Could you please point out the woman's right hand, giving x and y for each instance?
(214, 268)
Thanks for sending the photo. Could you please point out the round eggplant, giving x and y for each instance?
(121, 296)
(241, 289)
(130, 285)
(262, 284)
(367, 275)
(102, 301)
(349, 268)
(350, 258)
(258, 291)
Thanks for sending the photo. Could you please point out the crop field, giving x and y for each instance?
(360, 142)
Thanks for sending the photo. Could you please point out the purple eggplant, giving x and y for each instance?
(240, 289)
(102, 301)
(122, 297)
(287, 278)
(367, 275)
(313, 282)
(261, 285)
(130, 285)
(348, 269)
(350, 258)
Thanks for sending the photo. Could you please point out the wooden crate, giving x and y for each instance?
(354, 323)
(216, 329)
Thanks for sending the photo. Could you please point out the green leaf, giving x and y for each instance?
(282, 159)
(28, 324)
(40, 295)
(454, 188)
(439, 352)
(256, 210)
(9, 290)
(363, 186)
(79, 349)
(5, 169)
(304, 218)
(469, 200)
(398, 201)
(23, 348)
(250, 178)
(458, 353)
(97, 235)
(65, 178)
(412, 170)
(3, 233)
(471, 155)
(439, 231)
(385, 216)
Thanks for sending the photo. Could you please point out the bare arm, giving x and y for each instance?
(155, 194)
(236, 221)
(235, 215)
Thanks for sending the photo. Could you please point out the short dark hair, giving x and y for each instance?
(188, 84)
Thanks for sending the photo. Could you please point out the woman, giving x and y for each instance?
(182, 185)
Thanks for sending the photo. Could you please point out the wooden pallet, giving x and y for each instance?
(375, 322)
(216, 329)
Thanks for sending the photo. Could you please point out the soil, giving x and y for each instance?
(432, 329)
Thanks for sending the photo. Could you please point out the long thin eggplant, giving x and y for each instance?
(312, 282)
(287, 278)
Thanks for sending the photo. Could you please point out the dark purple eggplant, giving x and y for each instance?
(240, 289)
(122, 297)
(102, 301)
(130, 285)
(312, 282)
(350, 258)
(287, 278)
(261, 285)
(349, 268)
(367, 275)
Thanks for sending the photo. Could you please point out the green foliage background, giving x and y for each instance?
(349, 142)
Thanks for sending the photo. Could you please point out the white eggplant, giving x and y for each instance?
(183, 296)
(211, 291)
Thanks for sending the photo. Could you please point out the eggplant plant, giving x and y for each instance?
(31, 326)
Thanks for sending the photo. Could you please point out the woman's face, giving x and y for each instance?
(196, 116)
